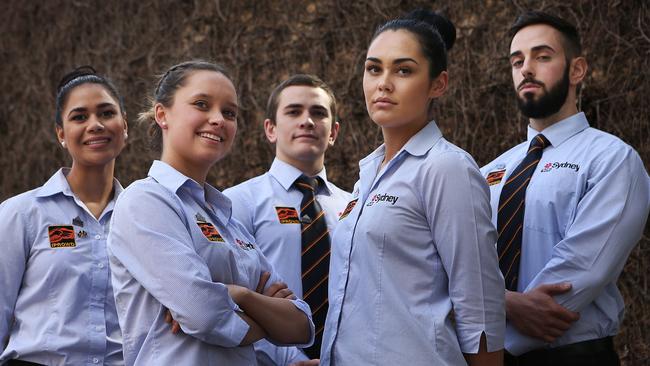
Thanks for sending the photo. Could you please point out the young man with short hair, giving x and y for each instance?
(292, 208)
(569, 204)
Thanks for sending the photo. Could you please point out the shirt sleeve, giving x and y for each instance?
(15, 248)
(608, 222)
(299, 303)
(150, 239)
(456, 202)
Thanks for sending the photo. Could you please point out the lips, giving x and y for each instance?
(210, 136)
(384, 100)
(307, 136)
(96, 141)
(530, 84)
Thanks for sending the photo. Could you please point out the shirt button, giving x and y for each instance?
(101, 265)
(95, 360)
(98, 236)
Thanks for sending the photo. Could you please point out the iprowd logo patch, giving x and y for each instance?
(385, 197)
(557, 165)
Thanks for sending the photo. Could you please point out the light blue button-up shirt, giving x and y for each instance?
(259, 204)
(56, 299)
(173, 245)
(586, 207)
(415, 255)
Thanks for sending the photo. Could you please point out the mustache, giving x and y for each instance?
(529, 81)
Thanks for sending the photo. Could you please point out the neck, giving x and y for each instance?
(309, 168)
(396, 137)
(93, 185)
(568, 109)
(189, 169)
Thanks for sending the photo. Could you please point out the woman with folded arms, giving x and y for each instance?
(176, 252)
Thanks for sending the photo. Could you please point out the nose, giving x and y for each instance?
(307, 122)
(96, 124)
(216, 119)
(527, 69)
(385, 84)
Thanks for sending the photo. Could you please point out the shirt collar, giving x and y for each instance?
(286, 174)
(560, 131)
(174, 180)
(59, 184)
(418, 145)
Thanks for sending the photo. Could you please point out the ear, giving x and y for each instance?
(334, 133)
(160, 115)
(269, 130)
(439, 85)
(126, 123)
(60, 136)
(578, 70)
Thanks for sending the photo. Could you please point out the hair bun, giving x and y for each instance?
(78, 72)
(444, 26)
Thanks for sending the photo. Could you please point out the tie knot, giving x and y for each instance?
(539, 142)
(306, 184)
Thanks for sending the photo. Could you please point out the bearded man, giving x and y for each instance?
(569, 204)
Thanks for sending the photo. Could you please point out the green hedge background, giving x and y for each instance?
(262, 42)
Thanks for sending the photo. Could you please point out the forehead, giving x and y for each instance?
(304, 95)
(537, 35)
(208, 82)
(88, 94)
(394, 44)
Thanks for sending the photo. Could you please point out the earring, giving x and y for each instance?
(63, 143)
(163, 124)
(126, 135)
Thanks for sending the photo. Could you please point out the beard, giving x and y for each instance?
(548, 103)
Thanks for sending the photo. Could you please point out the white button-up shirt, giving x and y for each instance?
(56, 299)
(173, 245)
(586, 207)
(414, 278)
(261, 204)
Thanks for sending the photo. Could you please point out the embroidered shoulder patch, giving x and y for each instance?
(495, 177)
(61, 236)
(348, 209)
(287, 215)
(209, 231)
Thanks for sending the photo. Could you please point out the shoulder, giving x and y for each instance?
(606, 150)
(249, 188)
(514, 152)
(22, 204)
(338, 192)
(447, 158)
(143, 194)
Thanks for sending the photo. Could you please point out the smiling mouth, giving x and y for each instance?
(97, 141)
(211, 136)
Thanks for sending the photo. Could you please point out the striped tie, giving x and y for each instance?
(511, 212)
(315, 257)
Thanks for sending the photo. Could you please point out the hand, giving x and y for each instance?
(278, 289)
(237, 293)
(536, 314)
(314, 362)
(170, 320)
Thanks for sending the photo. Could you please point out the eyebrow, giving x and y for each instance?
(396, 61)
(84, 109)
(534, 49)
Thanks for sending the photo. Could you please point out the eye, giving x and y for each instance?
(293, 112)
(543, 58)
(320, 113)
(404, 71)
(108, 114)
(201, 104)
(373, 69)
(79, 117)
(230, 114)
(516, 63)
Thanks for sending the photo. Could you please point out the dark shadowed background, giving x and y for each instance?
(262, 42)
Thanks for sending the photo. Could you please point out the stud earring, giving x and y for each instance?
(126, 135)
(63, 143)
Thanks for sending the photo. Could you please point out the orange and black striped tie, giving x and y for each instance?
(315, 256)
(510, 219)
